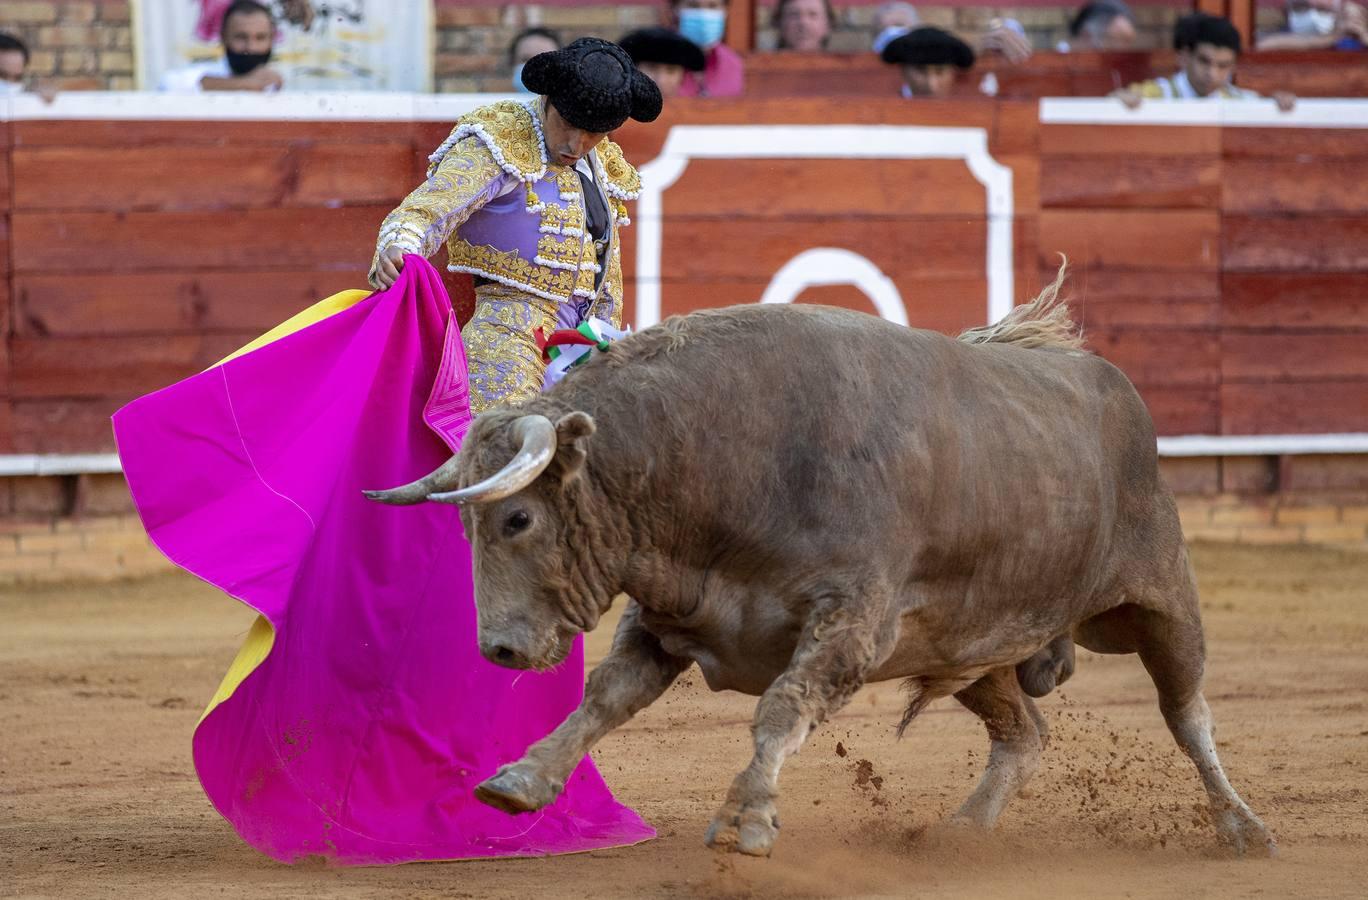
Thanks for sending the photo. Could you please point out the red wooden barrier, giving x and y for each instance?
(1225, 269)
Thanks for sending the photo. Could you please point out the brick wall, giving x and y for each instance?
(71, 528)
(80, 45)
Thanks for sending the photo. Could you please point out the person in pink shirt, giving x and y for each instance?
(705, 22)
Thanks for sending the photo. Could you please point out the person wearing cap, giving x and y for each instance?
(930, 59)
(528, 197)
(664, 55)
(1208, 49)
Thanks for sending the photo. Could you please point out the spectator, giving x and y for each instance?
(14, 60)
(663, 56)
(705, 22)
(528, 43)
(1321, 25)
(891, 21)
(804, 25)
(1208, 49)
(1004, 36)
(14, 76)
(248, 35)
(930, 60)
(1101, 25)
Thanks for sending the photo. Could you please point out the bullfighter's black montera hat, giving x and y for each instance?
(593, 84)
(928, 47)
(662, 45)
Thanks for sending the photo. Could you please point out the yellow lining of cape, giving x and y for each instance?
(261, 637)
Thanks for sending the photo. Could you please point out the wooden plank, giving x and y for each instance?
(1253, 184)
(948, 305)
(1308, 407)
(1295, 357)
(757, 247)
(1149, 182)
(1016, 129)
(245, 239)
(186, 178)
(91, 367)
(1133, 239)
(1296, 300)
(171, 302)
(64, 426)
(124, 133)
(748, 188)
(1304, 243)
(1293, 142)
(6, 432)
(1161, 356)
(1102, 284)
(1129, 140)
(1182, 410)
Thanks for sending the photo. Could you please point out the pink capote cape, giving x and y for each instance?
(359, 715)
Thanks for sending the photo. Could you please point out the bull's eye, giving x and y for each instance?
(516, 522)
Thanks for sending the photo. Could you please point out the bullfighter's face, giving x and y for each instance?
(533, 592)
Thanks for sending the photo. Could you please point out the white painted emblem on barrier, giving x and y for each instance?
(831, 265)
(689, 142)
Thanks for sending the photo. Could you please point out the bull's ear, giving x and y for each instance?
(572, 437)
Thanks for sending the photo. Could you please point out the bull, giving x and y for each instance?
(801, 500)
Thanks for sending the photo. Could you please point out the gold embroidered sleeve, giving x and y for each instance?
(467, 178)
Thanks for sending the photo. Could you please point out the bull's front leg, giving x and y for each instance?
(843, 641)
(635, 672)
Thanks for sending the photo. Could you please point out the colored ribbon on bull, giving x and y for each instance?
(568, 347)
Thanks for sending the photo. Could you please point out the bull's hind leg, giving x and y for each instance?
(1017, 732)
(841, 644)
(1171, 647)
(631, 677)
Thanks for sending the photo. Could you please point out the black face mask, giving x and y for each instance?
(242, 63)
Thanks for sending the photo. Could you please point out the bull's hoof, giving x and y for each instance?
(752, 831)
(518, 788)
(1242, 831)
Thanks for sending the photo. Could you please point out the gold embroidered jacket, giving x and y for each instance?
(509, 216)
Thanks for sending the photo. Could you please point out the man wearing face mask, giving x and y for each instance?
(248, 35)
(529, 197)
(1321, 25)
(705, 22)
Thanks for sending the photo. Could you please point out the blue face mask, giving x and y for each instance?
(517, 79)
(704, 27)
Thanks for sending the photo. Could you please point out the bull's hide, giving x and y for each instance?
(359, 716)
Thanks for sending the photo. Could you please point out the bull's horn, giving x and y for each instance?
(538, 438)
(418, 491)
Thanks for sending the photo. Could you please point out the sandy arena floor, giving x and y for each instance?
(101, 686)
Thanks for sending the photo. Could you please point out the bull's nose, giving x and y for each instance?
(503, 655)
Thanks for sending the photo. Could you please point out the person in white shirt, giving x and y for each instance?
(248, 35)
(1208, 50)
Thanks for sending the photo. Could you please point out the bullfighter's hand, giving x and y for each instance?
(389, 265)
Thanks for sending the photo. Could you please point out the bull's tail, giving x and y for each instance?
(1044, 322)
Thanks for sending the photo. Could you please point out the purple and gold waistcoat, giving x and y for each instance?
(534, 238)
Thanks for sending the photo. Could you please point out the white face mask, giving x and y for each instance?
(11, 88)
(1311, 21)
